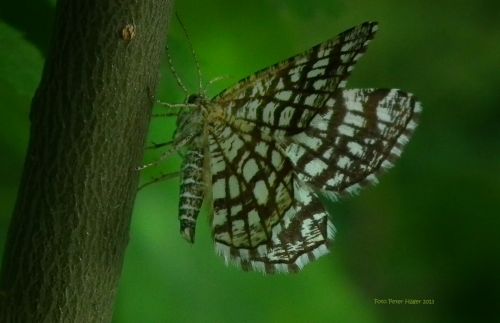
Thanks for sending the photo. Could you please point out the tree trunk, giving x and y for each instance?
(89, 120)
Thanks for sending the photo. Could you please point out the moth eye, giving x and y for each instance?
(193, 98)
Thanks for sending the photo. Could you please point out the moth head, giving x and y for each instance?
(194, 99)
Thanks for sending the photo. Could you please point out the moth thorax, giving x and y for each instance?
(190, 123)
(191, 192)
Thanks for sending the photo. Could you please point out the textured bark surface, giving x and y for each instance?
(89, 119)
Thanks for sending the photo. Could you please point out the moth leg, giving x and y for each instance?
(160, 178)
(169, 153)
(212, 81)
(173, 149)
(155, 145)
(167, 114)
(176, 105)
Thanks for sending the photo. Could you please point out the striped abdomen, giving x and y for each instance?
(191, 192)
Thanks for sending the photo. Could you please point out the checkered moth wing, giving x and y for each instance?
(282, 99)
(289, 132)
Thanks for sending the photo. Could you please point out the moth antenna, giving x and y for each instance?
(193, 53)
(174, 73)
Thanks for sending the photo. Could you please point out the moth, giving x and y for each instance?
(265, 149)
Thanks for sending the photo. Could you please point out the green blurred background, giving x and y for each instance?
(429, 230)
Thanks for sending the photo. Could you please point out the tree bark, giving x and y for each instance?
(89, 120)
